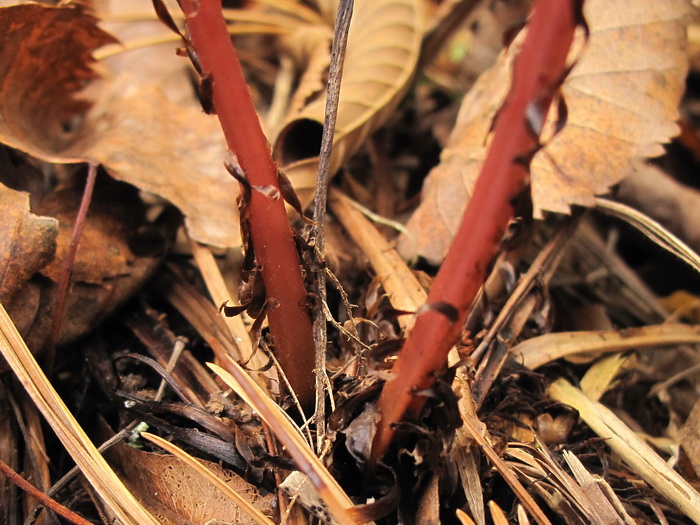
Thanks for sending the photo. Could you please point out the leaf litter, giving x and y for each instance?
(499, 440)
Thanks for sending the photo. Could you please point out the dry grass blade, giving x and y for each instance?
(464, 518)
(607, 506)
(403, 289)
(172, 38)
(217, 288)
(599, 377)
(290, 7)
(540, 350)
(637, 454)
(105, 482)
(338, 502)
(245, 506)
(652, 229)
(508, 475)
(497, 514)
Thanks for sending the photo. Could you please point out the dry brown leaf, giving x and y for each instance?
(27, 242)
(133, 129)
(106, 271)
(383, 46)
(46, 59)
(104, 251)
(622, 99)
(144, 139)
(309, 45)
(689, 437)
(175, 493)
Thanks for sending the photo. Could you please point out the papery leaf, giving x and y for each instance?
(134, 130)
(173, 489)
(46, 59)
(622, 97)
(106, 272)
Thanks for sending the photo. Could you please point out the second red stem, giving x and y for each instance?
(538, 71)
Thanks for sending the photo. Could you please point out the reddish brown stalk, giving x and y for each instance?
(290, 324)
(41, 497)
(67, 272)
(538, 72)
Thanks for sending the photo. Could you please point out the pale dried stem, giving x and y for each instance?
(317, 236)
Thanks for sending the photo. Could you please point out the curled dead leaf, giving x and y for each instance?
(383, 47)
(116, 255)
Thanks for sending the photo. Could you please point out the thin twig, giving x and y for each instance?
(340, 38)
(40, 496)
(61, 293)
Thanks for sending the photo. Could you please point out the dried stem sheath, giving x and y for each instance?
(538, 72)
(290, 324)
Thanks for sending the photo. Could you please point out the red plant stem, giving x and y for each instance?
(41, 497)
(290, 324)
(538, 71)
(67, 271)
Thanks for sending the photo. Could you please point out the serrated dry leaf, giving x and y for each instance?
(133, 130)
(27, 242)
(621, 97)
(46, 59)
(383, 46)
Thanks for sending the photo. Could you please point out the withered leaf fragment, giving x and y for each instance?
(27, 242)
(37, 91)
(621, 103)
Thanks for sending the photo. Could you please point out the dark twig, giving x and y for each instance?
(340, 38)
(62, 292)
